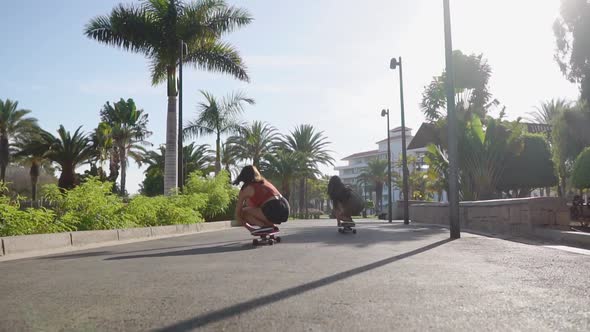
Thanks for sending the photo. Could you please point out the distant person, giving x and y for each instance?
(345, 201)
(259, 202)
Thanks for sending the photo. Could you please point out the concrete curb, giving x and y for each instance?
(16, 247)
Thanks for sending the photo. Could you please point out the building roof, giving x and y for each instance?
(429, 133)
(425, 135)
(397, 130)
(361, 154)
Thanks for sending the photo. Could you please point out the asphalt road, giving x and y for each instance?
(388, 277)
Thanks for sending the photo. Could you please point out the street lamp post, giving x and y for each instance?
(180, 127)
(393, 65)
(452, 126)
(389, 199)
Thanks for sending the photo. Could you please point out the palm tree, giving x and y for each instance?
(102, 142)
(156, 28)
(550, 110)
(255, 141)
(312, 146)
(68, 151)
(32, 151)
(229, 158)
(13, 125)
(285, 166)
(218, 117)
(128, 132)
(376, 173)
(197, 158)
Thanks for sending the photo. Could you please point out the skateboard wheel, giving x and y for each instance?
(270, 242)
(340, 230)
(354, 231)
(278, 239)
(255, 242)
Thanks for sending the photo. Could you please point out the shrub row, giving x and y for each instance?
(93, 206)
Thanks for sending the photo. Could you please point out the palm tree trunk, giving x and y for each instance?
(4, 155)
(123, 158)
(286, 189)
(305, 198)
(171, 158)
(66, 179)
(301, 195)
(379, 195)
(34, 173)
(218, 154)
(563, 185)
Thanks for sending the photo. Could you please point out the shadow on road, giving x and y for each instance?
(85, 254)
(234, 246)
(369, 233)
(243, 307)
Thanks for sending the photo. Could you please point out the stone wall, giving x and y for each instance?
(513, 216)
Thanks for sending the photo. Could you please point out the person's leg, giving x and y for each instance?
(254, 216)
(338, 213)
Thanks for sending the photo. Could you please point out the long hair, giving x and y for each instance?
(248, 175)
(337, 190)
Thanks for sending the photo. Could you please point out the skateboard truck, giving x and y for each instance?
(346, 226)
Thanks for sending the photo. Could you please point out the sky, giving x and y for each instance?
(318, 62)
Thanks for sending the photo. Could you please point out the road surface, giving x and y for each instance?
(388, 277)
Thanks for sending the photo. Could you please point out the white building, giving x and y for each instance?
(358, 162)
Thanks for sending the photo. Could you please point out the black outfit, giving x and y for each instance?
(276, 210)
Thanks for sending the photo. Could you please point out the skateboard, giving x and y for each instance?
(267, 236)
(346, 227)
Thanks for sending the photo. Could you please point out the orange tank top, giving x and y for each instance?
(262, 193)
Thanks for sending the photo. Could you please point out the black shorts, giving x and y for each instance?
(276, 210)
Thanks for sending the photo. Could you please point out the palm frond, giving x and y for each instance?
(128, 27)
(213, 55)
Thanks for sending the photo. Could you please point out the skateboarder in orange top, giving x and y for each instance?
(259, 202)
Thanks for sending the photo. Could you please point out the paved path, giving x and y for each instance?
(388, 277)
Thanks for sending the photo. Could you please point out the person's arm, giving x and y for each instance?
(242, 197)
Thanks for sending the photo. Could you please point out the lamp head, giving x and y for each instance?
(384, 112)
(394, 63)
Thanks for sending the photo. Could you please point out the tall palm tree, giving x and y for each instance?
(218, 117)
(156, 28)
(68, 151)
(128, 131)
(312, 146)
(376, 173)
(14, 124)
(255, 141)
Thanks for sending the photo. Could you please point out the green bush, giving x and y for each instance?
(89, 206)
(581, 173)
(218, 190)
(93, 206)
(14, 221)
(161, 210)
